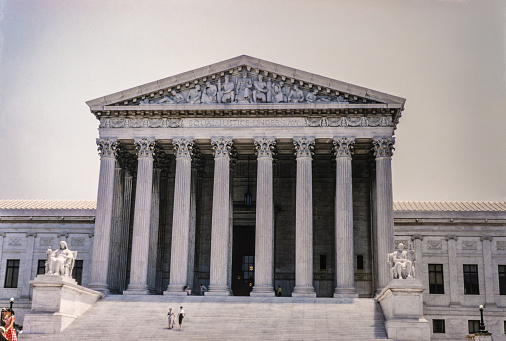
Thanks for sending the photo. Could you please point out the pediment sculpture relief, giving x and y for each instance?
(246, 88)
(402, 263)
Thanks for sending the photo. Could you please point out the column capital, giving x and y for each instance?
(416, 236)
(383, 146)
(222, 147)
(489, 238)
(343, 146)
(145, 148)
(107, 148)
(183, 148)
(31, 234)
(304, 146)
(265, 147)
(451, 236)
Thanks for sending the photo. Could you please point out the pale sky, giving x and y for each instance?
(447, 58)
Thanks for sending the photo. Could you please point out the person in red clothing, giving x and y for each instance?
(10, 332)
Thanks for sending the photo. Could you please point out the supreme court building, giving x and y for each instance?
(244, 164)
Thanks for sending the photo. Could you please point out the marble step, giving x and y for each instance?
(226, 318)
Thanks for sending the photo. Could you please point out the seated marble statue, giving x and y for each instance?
(243, 88)
(61, 261)
(226, 91)
(402, 263)
(296, 95)
(194, 95)
(260, 90)
(209, 95)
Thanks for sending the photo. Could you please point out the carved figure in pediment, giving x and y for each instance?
(260, 90)
(145, 101)
(311, 96)
(296, 95)
(61, 261)
(165, 100)
(174, 98)
(285, 89)
(194, 95)
(226, 91)
(243, 88)
(341, 99)
(209, 95)
(277, 94)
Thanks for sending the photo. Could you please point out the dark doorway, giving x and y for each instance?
(243, 260)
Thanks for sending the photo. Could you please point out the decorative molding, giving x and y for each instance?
(451, 236)
(343, 146)
(265, 147)
(183, 148)
(304, 146)
(501, 245)
(15, 241)
(434, 244)
(222, 147)
(214, 122)
(383, 147)
(489, 238)
(91, 235)
(63, 234)
(145, 148)
(107, 148)
(46, 241)
(469, 245)
(77, 241)
(31, 234)
(416, 236)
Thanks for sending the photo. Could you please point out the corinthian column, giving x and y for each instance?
(345, 274)
(183, 149)
(103, 220)
(220, 234)
(383, 151)
(142, 215)
(264, 234)
(304, 219)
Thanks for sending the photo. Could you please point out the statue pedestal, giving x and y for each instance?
(57, 301)
(402, 305)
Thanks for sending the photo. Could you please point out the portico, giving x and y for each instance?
(176, 161)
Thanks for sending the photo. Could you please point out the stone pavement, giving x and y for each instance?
(144, 317)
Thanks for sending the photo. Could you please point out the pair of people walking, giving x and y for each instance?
(8, 324)
(173, 316)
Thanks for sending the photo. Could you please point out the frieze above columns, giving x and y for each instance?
(383, 147)
(107, 148)
(343, 147)
(145, 148)
(304, 146)
(213, 122)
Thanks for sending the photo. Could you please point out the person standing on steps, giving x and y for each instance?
(172, 317)
(181, 315)
(10, 332)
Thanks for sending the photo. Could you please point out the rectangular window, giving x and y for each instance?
(41, 267)
(438, 326)
(474, 326)
(436, 282)
(323, 262)
(77, 273)
(502, 279)
(360, 262)
(471, 285)
(11, 273)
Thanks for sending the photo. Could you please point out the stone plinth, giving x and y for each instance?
(479, 337)
(402, 305)
(57, 301)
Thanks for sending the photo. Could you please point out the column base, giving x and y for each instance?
(264, 290)
(136, 289)
(349, 292)
(218, 290)
(303, 292)
(175, 290)
(100, 287)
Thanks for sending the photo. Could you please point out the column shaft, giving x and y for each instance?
(383, 148)
(488, 271)
(153, 230)
(345, 271)
(103, 220)
(220, 234)
(124, 232)
(28, 264)
(454, 271)
(264, 233)
(142, 217)
(304, 220)
(113, 278)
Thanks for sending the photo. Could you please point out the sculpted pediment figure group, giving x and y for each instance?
(243, 89)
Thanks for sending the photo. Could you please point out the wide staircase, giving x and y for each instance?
(133, 318)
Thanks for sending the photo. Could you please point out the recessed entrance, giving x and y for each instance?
(243, 260)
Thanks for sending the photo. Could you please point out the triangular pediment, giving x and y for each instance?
(278, 84)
